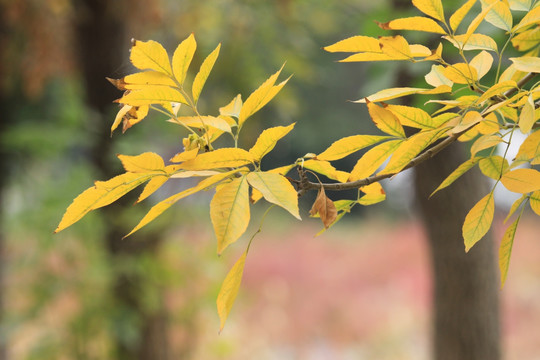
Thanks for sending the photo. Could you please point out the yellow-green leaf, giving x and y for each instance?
(520, 5)
(101, 194)
(473, 42)
(535, 202)
(505, 249)
(456, 174)
(482, 63)
(229, 290)
(500, 15)
(485, 142)
(229, 211)
(478, 221)
(160, 207)
(326, 169)
(527, 117)
(220, 158)
(411, 116)
(393, 93)
(436, 76)
(433, 8)
(204, 72)
(355, 44)
(385, 120)
(143, 163)
(461, 73)
(418, 23)
(348, 145)
(150, 55)
(268, 140)
(260, 97)
(522, 180)
(372, 159)
(152, 94)
(532, 17)
(276, 189)
(409, 149)
(515, 206)
(460, 13)
(182, 58)
(527, 63)
(493, 166)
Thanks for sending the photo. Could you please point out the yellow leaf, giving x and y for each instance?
(325, 208)
(436, 76)
(522, 180)
(220, 158)
(535, 202)
(374, 194)
(526, 117)
(482, 63)
(282, 170)
(368, 56)
(532, 17)
(485, 142)
(276, 189)
(527, 39)
(468, 120)
(182, 58)
(409, 149)
(460, 13)
(490, 125)
(493, 166)
(233, 108)
(144, 163)
(204, 72)
(229, 211)
(101, 194)
(229, 290)
(456, 174)
(152, 94)
(355, 44)
(268, 140)
(393, 93)
(372, 159)
(461, 73)
(433, 8)
(500, 15)
(411, 116)
(395, 46)
(185, 155)
(476, 22)
(326, 169)
(150, 55)
(498, 89)
(527, 63)
(418, 23)
(152, 186)
(515, 206)
(505, 249)
(120, 116)
(201, 122)
(348, 145)
(141, 79)
(473, 42)
(160, 207)
(530, 148)
(385, 120)
(260, 97)
(418, 50)
(478, 221)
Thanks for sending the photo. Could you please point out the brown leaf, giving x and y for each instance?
(325, 208)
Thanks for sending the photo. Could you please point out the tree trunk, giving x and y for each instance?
(100, 34)
(466, 303)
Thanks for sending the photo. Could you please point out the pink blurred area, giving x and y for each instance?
(362, 291)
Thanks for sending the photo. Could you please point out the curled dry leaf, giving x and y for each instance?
(325, 208)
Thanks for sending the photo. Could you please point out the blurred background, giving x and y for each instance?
(362, 290)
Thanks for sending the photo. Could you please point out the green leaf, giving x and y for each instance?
(229, 290)
(276, 189)
(204, 72)
(478, 221)
(229, 211)
(348, 145)
(505, 249)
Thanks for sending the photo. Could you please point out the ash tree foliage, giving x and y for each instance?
(485, 114)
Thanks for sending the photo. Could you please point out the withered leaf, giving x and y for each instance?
(325, 208)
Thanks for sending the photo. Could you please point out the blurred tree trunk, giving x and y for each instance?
(100, 34)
